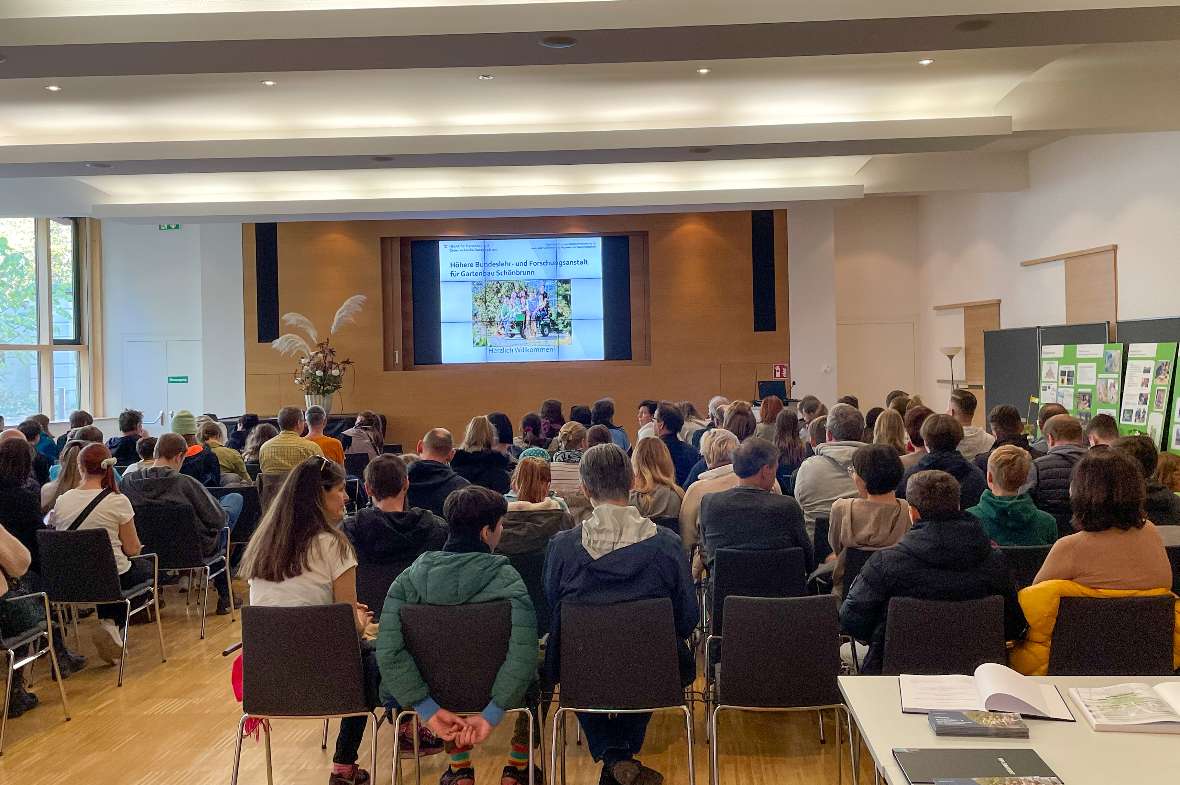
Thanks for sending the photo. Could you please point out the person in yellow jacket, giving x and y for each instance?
(1115, 553)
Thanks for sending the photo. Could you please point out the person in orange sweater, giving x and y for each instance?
(317, 420)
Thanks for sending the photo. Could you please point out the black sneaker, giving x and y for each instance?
(632, 772)
(457, 776)
(223, 605)
(359, 777)
(69, 663)
(521, 776)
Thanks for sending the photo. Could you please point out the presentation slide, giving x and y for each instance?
(521, 300)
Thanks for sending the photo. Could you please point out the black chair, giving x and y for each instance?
(1174, 558)
(670, 522)
(531, 567)
(1024, 562)
(170, 532)
(939, 637)
(253, 468)
(797, 640)
(459, 669)
(819, 541)
(355, 463)
(618, 659)
(854, 561)
(38, 641)
(373, 582)
(78, 568)
(268, 488)
(301, 663)
(1125, 636)
(251, 512)
(750, 573)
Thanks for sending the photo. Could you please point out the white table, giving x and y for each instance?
(1079, 755)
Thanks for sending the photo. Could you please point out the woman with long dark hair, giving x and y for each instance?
(367, 436)
(551, 418)
(792, 448)
(531, 433)
(300, 557)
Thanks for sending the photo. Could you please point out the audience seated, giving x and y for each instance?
(78, 419)
(431, 477)
(645, 415)
(693, 422)
(571, 443)
(317, 421)
(716, 418)
(792, 450)
(532, 481)
(739, 420)
(123, 447)
(941, 435)
(233, 468)
(668, 422)
(87, 434)
(69, 476)
(809, 408)
(616, 556)
(890, 431)
(1161, 505)
(877, 518)
(1044, 414)
(14, 563)
(656, 494)
(145, 448)
(366, 435)
(1009, 516)
(976, 441)
(533, 508)
(603, 413)
(1115, 552)
(289, 449)
(237, 437)
(477, 462)
(464, 572)
(299, 557)
(164, 482)
(913, 420)
(1167, 471)
(503, 428)
(96, 503)
(581, 414)
(1008, 428)
(389, 532)
(901, 404)
(31, 430)
(851, 400)
(259, 435)
(945, 556)
(718, 446)
(1048, 480)
(551, 419)
(749, 516)
(200, 462)
(530, 433)
(46, 444)
(767, 412)
(20, 505)
(1102, 431)
(599, 434)
(823, 477)
(871, 422)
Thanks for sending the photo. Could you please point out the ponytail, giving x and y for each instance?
(96, 460)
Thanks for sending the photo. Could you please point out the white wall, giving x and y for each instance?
(184, 284)
(811, 266)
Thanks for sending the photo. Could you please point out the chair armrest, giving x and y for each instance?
(155, 560)
(35, 595)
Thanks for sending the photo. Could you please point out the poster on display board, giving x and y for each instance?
(1174, 432)
(1147, 391)
(1084, 378)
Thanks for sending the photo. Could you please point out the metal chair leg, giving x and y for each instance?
(204, 600)
(822, 738)
(270, 780)
(853, 747)
(528, 712)
(125, 634)
(397, 757)
(373, 764)
(54, 667)
(688, 727)
(324, 740)
(233, 777)
(417, 751)
(159, 621)
(839, 754)
(10, 658)
(711, 731)
(558, 719)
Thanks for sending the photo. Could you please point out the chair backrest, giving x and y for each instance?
(301, 661)
(78, 566)
(668, 522)
(770, 573)
(251, 509)
(253, 468)
(373, 582)
(620, 656)
(1174, 558)
(1024, 562)
(268, 488)
(459, 669)
(797, 639)
(1113, 637)
(819, 541)
(531, 567)
(170, 532)
(854, 562)
(938, 637)
(355, 463)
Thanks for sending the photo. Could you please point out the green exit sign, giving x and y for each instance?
(177, 380)
(169, 227)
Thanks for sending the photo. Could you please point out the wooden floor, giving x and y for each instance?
(174, 722)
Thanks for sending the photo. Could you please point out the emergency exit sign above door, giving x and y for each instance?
(169, 227)
(177, 380)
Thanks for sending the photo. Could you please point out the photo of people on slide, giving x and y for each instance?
(505, 313)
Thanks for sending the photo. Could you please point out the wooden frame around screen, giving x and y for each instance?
(397, 312)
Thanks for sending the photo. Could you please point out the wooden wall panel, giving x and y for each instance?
(976, 320)
(701, 318)
(1091, 288)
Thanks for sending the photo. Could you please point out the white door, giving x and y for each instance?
(874, 358)
(145, 372)
(185, 377)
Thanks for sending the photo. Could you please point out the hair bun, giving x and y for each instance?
(108, 463)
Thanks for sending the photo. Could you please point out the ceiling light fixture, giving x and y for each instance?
(486, 77)
(269, 83)
(53, 88)
(926, 61)
(973, 25)
(704, 71)
(558, 41)
(700, 150)
(383, 159)
(98, 165)
(3, 59)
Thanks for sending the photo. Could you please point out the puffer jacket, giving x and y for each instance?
(466, 572)
(529, 526)
(488, 468)
(972, 482)
(1040, 603)
(1048, 483)
(1019, 440)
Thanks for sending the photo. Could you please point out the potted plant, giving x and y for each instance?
(319, 373)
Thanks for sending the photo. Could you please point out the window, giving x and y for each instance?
(42, 347)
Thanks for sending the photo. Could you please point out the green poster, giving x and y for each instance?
(1174, 435)
(1084, 378)
(1147, 387)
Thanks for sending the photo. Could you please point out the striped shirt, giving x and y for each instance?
(286, 451)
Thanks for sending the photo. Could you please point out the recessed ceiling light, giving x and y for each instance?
(559, 41)
(98, 165)
(383, 159)
(53, 88)
(3, 59)
(269, 83)
(926, 61)
(486, 77)
(700, 150)
(704, 71)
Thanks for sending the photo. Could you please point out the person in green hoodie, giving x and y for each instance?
(465, 571)
(1008, 516)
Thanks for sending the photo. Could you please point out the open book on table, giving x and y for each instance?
(1131, 708)
(992, 688)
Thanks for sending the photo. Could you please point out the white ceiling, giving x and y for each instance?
(600, 134)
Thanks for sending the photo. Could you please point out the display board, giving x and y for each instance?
(1065, 334)
(1149, 330)
(1174, 433)
(1084, 378)
(1010, 367)
(1147, 389)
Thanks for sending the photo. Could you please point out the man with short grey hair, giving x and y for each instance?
(824, 477)
(617, 555)
(750, 516)
(431, 477)
(717, 406)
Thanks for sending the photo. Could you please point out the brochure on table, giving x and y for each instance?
(1147, 390)
(1084, 378)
